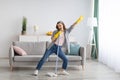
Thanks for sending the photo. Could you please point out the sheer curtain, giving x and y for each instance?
(109, 33)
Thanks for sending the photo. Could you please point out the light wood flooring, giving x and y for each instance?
(93, 71)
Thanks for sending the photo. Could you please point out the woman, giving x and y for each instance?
(61, 40)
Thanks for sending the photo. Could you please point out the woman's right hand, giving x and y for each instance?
(53, 39)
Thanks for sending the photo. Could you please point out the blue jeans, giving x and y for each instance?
(52, 50)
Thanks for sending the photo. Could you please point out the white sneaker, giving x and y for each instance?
(63, 73)
(35, 73)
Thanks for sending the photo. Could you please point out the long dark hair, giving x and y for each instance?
(62, 24)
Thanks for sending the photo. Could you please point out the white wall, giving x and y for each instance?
(45, 14)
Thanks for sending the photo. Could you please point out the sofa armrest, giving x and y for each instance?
(82, 53)
(11, 55)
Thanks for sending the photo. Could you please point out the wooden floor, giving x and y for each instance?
(93, 71)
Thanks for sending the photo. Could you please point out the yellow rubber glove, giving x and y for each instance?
(57, 34)
(79, 19)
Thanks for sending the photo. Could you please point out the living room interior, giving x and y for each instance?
(96, 38)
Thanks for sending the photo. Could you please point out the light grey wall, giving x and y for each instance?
(45, 14)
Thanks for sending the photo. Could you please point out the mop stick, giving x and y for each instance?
(56, 67)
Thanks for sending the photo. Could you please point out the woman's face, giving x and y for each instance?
(60, 26)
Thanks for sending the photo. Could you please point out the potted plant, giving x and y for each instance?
(24, 25)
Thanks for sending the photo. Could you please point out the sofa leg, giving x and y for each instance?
(11, 67)
(83, 67)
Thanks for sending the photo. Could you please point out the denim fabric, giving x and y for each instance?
(52, 50)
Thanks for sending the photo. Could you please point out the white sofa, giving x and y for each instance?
(35, 51)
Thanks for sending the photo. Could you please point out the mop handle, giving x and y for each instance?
(57, 58)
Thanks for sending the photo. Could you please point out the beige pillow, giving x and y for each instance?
(19, 51)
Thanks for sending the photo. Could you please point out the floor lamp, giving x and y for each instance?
(92, 22)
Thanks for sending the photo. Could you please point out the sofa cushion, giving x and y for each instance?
(32, 48)
(70, 58)
(28, 58)
(19, 51)
(74, 48)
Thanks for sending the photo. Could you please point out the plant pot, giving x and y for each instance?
(23, 32)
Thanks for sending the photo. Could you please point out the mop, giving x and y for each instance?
(51, 74)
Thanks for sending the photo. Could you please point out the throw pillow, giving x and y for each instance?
(19, 51)
(74, 48)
